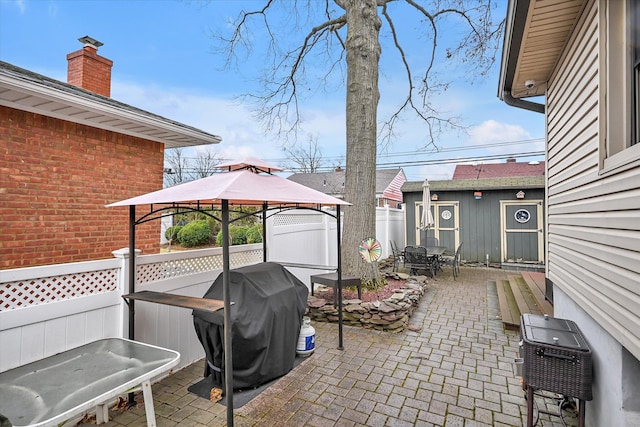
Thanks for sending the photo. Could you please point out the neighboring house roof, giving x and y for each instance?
(328, 182)
(388, 182)
(536, 32)
(499, 170)
(28, 91)
(521, 182)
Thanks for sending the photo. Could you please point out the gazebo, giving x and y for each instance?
(246, 183)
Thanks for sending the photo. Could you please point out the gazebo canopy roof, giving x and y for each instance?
(244, 185)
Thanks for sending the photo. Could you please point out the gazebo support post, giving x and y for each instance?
(132, 281)
(228, 359)
(264, 231)
(338, 233)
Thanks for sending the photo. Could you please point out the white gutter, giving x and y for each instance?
(94, 110)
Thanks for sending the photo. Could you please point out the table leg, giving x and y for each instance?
(102, 414)
(529, 406)
(148, 403)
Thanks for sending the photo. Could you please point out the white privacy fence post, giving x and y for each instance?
(123, 285)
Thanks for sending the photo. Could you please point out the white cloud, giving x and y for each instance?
(20, 4)
(241, 134)
(437, 172)
(493, 131)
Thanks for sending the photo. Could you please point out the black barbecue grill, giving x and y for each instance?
(556, 358)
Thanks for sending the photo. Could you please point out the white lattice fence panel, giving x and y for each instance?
(293, 219)
(244, 258)
(25, 293)
(147, 273)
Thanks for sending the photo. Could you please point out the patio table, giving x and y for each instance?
(435, 253)
(52, 390)
(425, 258)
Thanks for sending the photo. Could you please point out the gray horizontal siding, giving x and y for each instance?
(593, 220)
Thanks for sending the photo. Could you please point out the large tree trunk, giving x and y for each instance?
(363, 55)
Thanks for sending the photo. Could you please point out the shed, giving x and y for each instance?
(498, 219)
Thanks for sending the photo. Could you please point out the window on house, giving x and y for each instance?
(634, 29)
(620, 85)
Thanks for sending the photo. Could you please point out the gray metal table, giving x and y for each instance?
(331, 279)
(50, 391)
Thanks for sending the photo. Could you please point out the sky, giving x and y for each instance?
(165, 61)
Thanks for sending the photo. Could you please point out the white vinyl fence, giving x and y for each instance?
(48, 309)
(309, 237)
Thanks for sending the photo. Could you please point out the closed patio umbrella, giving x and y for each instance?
(426, 220)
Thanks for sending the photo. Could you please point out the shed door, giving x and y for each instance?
(522, 233)
(446, 224)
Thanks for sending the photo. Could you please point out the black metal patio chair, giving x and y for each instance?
(454, 262)
(416, 258)
(398, 255)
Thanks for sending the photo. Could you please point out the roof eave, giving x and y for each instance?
(92, 111)
(536, 34)
(517, 11)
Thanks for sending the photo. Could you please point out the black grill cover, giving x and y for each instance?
(268, 305)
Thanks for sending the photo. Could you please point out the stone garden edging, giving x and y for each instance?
(390, 315)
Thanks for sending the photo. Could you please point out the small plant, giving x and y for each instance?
(171, 234)
(196, 233)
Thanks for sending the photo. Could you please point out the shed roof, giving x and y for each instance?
(28, 91)
(477, 184)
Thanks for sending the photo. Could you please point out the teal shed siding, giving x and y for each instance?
(479, 220)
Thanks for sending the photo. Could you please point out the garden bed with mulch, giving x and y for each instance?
(387, 309)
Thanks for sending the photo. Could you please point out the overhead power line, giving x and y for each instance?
(421, 162)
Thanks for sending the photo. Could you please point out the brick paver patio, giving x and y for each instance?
(455, 370)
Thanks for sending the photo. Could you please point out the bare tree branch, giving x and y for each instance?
(278, 106)
(347, 33)
(307, 159)
(183, 169)
(204, 165)
(176, 172)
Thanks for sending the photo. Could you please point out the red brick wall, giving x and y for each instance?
(56, 177)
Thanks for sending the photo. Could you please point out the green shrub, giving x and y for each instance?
(254, 234)
(171, 234)
(242, 234)
(196, 233)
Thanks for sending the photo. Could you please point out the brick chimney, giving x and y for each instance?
(89, 70)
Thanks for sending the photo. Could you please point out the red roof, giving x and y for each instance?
(499, 170)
